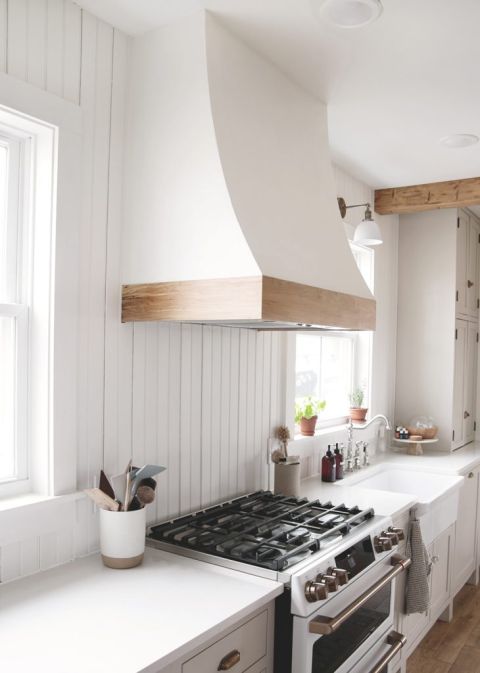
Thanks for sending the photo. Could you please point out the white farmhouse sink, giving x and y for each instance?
(436, 495)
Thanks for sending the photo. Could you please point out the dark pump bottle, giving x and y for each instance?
(329, 466)
(338, 462)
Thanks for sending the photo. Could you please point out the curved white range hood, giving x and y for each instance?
(230, 212)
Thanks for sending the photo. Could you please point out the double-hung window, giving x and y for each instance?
(15, 291)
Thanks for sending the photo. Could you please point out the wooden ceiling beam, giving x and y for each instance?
(413, 199)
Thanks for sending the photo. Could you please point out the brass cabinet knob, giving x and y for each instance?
(470, 284)
(470, 475)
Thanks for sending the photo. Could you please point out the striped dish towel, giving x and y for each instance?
(417, 590)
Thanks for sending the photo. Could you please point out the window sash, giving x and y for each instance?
(15, 289)
(325, 420)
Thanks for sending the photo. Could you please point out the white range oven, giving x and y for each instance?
(342, 610)
(338, 565)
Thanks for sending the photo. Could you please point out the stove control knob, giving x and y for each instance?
(331, 581)
(393, 536)
(315, 591)
(340, 574)
(398, 532)
(382, 543)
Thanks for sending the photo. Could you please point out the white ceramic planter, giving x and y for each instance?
(287, 479)
(122, 538)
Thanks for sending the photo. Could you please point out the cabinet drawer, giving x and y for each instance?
(246, 645)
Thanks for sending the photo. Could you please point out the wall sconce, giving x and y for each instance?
(367, 232)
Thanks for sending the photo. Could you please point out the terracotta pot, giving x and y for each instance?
(358, 413)
(307, 426)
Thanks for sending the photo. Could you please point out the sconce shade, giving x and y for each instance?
(368, 233)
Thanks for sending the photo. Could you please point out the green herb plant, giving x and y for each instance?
(307, 407)
(356, 398)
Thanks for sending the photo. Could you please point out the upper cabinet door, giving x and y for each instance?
(461, 336)
(462, 244)
(472, 268)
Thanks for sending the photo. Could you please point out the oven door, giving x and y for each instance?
(349, 626)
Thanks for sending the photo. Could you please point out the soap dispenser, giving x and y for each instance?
(328, 466)
(338, 462)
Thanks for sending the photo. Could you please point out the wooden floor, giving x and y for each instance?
(454, 647)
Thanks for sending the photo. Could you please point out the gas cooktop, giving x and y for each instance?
(262, 529)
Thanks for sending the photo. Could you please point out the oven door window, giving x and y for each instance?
(331, 652)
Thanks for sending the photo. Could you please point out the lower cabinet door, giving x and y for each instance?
(441, 559)
(465, 531)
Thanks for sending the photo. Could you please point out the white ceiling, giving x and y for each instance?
(394, 88)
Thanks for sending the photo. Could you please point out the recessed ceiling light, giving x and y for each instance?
(456, 140)
(349, 13)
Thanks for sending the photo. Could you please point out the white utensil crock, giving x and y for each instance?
(122, 538)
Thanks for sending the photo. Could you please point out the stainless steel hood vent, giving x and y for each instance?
(231, 213)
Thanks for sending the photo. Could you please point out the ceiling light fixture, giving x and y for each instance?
(367, 232)
(456, 140)
(349, 13)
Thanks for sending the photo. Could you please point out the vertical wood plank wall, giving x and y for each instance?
(200, 400)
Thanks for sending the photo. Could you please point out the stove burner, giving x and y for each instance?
(272, 531)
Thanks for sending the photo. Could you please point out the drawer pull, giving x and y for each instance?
(470, 475)
(396, 641)
(469, 284)
(229, 661)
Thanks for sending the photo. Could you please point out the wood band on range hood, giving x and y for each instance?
(259, 302)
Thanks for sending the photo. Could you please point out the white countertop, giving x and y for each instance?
(82, 617)
(389, 503)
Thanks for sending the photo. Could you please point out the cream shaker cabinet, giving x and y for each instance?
(438, 297)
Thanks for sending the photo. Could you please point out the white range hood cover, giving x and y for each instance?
(228, 167)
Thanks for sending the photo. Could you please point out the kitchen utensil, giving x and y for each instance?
(128, 489)
(102, 500)
(145, 495)
(105, 485)
(119, 483)
(144, 473)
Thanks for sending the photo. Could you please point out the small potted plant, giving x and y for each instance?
(306, 414)
(357, 411)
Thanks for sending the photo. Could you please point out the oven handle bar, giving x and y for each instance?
(326, 625)
(397, 641)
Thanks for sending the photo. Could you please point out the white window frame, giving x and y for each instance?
(56, 127)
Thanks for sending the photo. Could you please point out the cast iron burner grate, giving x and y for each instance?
(272, 531)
